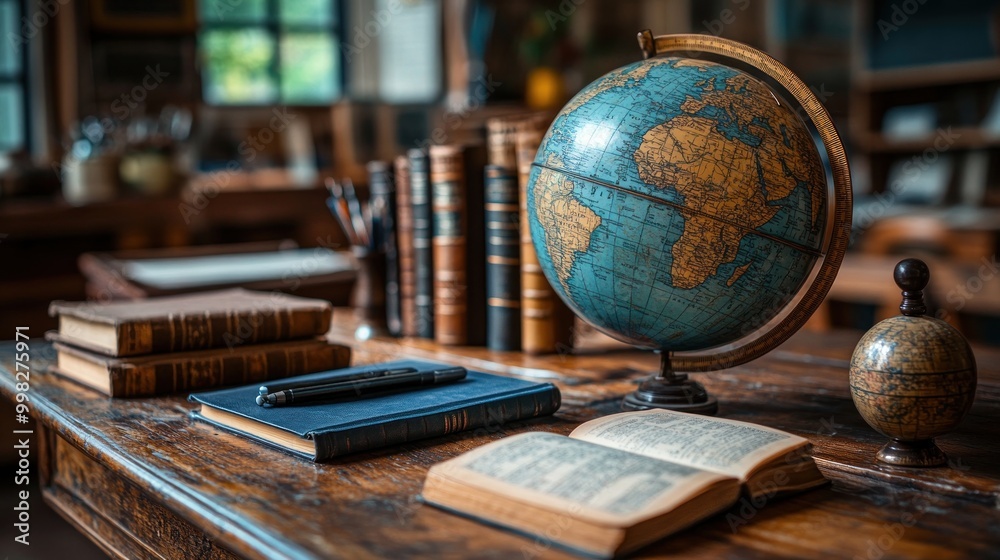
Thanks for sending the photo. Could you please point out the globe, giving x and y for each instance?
(680, 204)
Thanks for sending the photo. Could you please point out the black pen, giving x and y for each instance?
(278, 385)
(361, 387)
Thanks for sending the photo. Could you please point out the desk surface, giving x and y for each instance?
(143, 480)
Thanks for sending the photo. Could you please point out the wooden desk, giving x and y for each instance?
(142, 480)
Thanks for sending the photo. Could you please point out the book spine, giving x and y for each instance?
(423, 257)
(404, 245)
(503, 260)
(546, 322)
(492, 415)
(224, 370)
(501, 134)
(199, 332)
(383, 212)
(448, 188)
(474, 158)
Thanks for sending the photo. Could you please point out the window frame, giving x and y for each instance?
(273, 26)
(19, 78)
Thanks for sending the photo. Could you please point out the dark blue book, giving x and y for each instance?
(503, 260)
(423, 233)
(322, 431)
(383, 211)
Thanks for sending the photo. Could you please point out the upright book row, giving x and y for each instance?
(463, 270)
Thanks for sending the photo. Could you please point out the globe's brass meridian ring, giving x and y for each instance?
(837, 232)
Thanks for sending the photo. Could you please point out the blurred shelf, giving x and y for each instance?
(55, 217)
(963, 138)
(931, 75)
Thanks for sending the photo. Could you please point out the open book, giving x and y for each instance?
(623, 481)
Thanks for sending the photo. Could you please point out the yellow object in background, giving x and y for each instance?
(544, 89)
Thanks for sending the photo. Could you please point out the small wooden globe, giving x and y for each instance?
(913, 377)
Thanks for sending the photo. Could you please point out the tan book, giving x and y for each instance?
(456, 175)
(406, 248)
(546, 322)
(501, 136)
(225, 318)
(176, 372)
(623, 481)
(503, 225)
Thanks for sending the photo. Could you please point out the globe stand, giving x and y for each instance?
(673, 391)
(920, 453)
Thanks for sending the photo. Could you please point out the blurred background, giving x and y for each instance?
(138, 126)
(167, 127)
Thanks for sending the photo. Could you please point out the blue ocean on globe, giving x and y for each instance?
(677, 204)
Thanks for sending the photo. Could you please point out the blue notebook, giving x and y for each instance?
(324, 430)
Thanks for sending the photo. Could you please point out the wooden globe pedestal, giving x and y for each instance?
(672, 391)
(913, 377)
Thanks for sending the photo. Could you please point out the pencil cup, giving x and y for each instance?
(368, 298)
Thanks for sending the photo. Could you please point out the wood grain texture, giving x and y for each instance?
(257, 502)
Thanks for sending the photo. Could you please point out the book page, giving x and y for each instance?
(726, 446)
(578, 478)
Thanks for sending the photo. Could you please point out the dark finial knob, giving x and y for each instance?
(912, 275)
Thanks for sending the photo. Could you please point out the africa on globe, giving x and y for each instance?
(682, 204)
(677, 204)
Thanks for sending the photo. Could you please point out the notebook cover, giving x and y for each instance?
(352, 426)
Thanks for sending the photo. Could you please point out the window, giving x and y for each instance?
(13, 53)
(257, 52)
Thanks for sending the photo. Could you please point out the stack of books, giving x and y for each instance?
(463, 270)
(186, 343)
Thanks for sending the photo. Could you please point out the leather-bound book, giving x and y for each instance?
(423, 232)
(503, 257)
(405, 249)
(324, 430)
(546, 322)
(224, 318)
(459, 244)
(175, 372)
(501, 136)
(383, 211)
(503, 263)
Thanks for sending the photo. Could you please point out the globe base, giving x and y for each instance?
(923, 453)
(672, 392)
